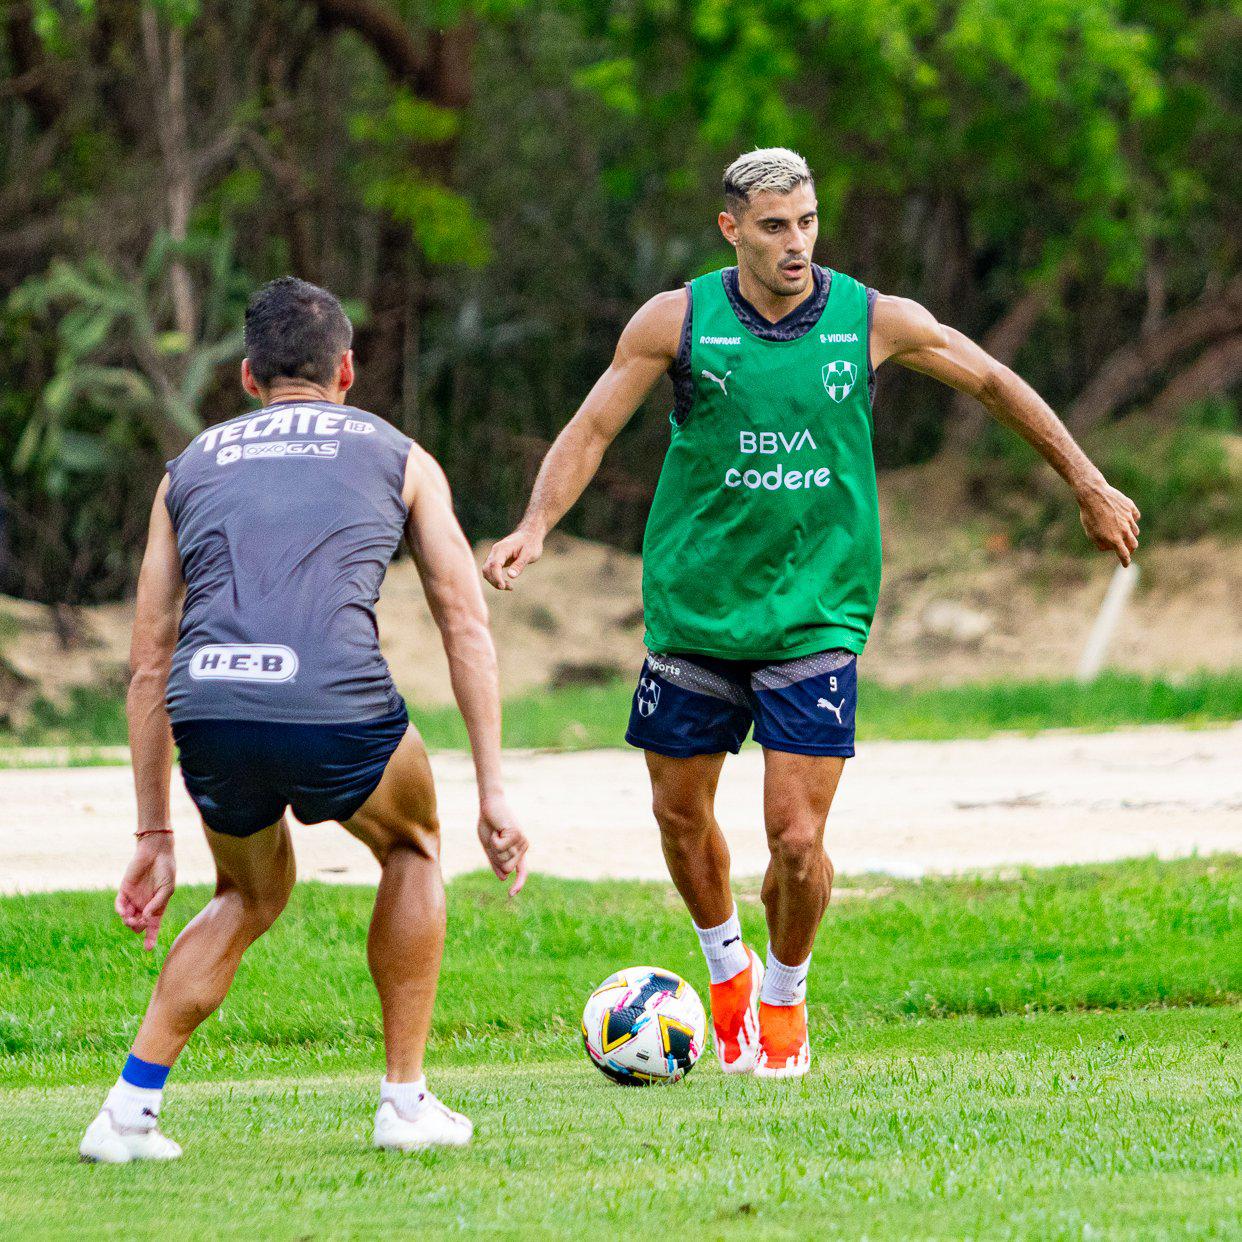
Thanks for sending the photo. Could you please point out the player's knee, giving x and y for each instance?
(681, 822)
(797, 847)
(257, 908)
(263, 908)
(420, 839)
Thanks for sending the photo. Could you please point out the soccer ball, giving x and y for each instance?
(644, 1025)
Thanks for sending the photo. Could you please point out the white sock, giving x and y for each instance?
(784, 985)
(723, 948)
(404, 1096)
(134, 1108)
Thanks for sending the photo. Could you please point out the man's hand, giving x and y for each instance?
(1111, 520)
(509, 556)
(503, 841)
(147, 887)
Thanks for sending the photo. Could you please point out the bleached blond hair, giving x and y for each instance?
(775, 169)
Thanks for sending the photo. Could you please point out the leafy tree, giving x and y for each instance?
(493, 187)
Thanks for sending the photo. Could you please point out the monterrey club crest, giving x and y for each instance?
(839, 378)
(648, 696)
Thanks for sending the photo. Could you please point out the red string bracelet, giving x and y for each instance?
(151, 832)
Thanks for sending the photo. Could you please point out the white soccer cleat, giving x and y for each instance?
(735, 1019)
(106, 1142)
(432, 1124)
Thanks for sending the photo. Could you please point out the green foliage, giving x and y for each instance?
(406, 119)
(582, 718)
(586, 717)
(966, 152)
(113, 391)
(441, 221)
(1186, 478)
(1186, 481)
(1019, 109)
(994, 1056)
(99, 314)
(1117, 936)
(1057, 1127)
(990, 1058)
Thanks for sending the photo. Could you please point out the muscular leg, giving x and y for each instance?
(684, 794)
(797, 794)
(254, 878)
(406, 942)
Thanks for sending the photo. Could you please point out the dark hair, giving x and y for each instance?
(295, 330)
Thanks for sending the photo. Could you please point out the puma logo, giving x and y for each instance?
(834, 708)
(715, 379)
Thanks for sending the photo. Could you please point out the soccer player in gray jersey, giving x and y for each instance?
(255, 646)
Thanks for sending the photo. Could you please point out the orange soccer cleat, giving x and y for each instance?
(735, 1018)
(784, 1049)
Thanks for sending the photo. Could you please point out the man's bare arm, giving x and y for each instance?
(455, 596)
(157, 615)
(646, 349)
(151, 876)
(909, 334)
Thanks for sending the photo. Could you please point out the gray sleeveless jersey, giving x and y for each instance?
(286, 520)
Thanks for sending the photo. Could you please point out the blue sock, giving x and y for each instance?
(144, 1074)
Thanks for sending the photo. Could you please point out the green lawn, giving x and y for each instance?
(579, 718)
(1052, 1056)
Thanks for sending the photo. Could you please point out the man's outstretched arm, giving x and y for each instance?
(455, 596)
(150, 878)
(909, 334)
(646, 348)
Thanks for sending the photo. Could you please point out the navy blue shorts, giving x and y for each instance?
(242, 774)
(697, 705)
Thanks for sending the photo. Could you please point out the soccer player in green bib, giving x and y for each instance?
(761, 561)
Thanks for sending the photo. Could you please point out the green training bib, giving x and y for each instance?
(763, 541)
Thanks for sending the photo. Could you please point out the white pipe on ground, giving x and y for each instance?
(1125, 579)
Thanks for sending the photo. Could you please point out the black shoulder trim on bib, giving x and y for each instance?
(679, 369)
(871, 296)
(797, 323)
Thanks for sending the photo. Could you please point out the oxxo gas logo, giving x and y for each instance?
(244, 662)
(278, 448)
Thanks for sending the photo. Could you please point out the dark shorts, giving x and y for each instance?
(697, 705)
(243, 774)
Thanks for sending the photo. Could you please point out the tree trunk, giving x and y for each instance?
(167, 70)
(1128, 371)
(1215, 371)
(32, 78)
(1003, 340)
(438, 68)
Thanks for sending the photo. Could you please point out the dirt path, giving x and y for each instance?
(906, 808)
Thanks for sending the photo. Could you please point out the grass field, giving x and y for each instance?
(579, 718)
(1055, 1056)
